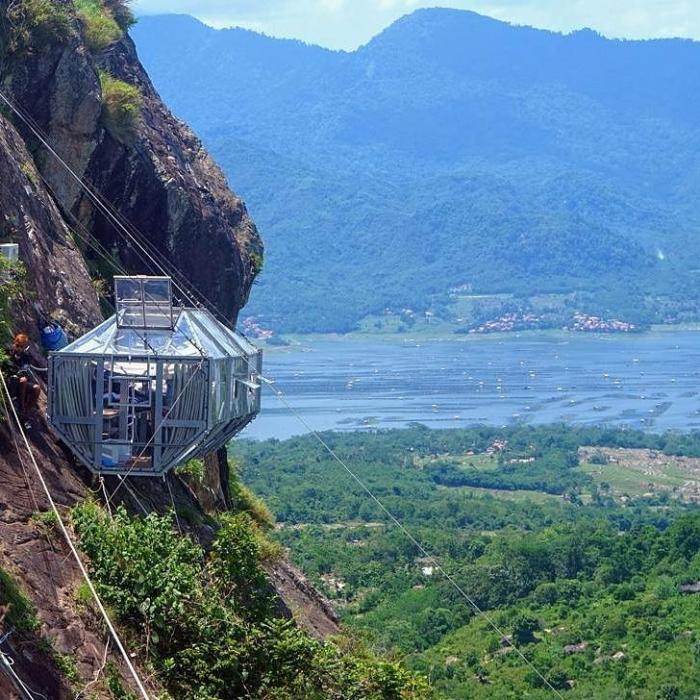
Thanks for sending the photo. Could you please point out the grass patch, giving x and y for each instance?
(100, 28)
(11, 284)
(29, 171)
(244, 500)
(114, 683)
(190, 514)
(47, 522)
(83, 596)
(36, 23)
(66, 665)
(192, 470)
(256, 262)
(20, 611)
(121, 12)
(121, 107)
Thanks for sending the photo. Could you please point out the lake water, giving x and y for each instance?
(649, 381)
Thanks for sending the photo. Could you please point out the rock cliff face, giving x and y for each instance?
(57, 278)
(158, 175)
(155, 173)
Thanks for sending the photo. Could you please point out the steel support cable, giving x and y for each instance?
(118, 221)
(72, 547)
(446, 575)
(106, 497)
(132, 492)
(9, 663)
(95, 244)
(166, 266)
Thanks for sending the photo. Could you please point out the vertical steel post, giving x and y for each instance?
(158, 418)
(98, 422)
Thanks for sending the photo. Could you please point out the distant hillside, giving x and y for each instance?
(452, 151)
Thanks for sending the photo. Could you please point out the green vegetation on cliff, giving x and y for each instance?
(207, 621)
(18, 612)
(99, 25)
(11, 275)
(121, 107)
(34, 23)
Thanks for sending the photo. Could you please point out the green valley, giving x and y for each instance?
(582, 555)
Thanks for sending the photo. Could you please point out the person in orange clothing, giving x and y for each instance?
(24, 387)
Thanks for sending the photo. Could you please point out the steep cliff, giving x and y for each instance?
(72, 71)
(149, 165)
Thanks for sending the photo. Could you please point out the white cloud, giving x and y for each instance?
(332, 5)
(348, 23)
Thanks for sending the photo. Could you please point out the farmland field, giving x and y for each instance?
(627, 472)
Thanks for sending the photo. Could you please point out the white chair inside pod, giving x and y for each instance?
(152, 386)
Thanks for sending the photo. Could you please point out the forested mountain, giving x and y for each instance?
(451, 151)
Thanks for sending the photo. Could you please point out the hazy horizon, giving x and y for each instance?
(339, 25)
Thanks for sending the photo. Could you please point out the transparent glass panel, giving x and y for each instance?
(129, 391)
(156, 289)
(144, 302)
(10, 251)
(127, 289)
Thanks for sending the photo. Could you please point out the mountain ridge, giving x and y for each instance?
(582, 32)
(452, 150)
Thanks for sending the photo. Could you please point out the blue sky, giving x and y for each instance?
(345, 24)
